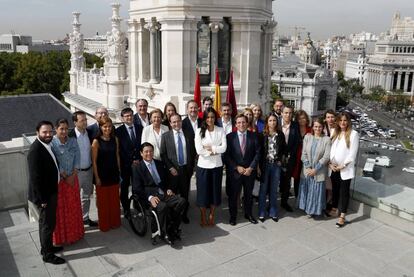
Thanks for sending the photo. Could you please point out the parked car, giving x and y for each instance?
(408, 169)
(384, 161)
(372, 152)
(392, 133)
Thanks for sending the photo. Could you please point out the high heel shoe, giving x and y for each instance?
(341, 222)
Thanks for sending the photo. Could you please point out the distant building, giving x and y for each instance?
(97, 45)
(392, 64)
(23, 44)
(355, 67)
(305, 86)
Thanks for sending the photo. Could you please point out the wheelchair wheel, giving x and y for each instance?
(138, 219)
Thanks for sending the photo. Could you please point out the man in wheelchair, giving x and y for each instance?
(150, 184)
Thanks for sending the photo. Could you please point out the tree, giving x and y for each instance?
(377, 93)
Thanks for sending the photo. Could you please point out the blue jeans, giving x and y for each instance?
(269, 186)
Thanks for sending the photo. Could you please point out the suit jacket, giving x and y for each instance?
(233, 156)
(320, 156)
(137, 120)
(292, 145)
(43, 174)
(93, 131)
(144, 185)
(169, 154)
(188, 127)
(128, 149)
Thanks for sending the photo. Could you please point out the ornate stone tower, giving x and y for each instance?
(115, 63)
(77, 61)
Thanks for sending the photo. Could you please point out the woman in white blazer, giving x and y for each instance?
(152, 133)
(345, 142)
(210, 143)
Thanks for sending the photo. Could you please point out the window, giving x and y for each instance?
(322, 100)
(204, 55)
(291, 102)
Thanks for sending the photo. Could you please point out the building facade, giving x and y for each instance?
(392, 65)
(305, 86)
(167, 40)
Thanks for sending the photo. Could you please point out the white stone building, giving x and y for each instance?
(23, 44)
(355, 67)
(305, 86)
(392, 65)
(97, 45)
(167, 40)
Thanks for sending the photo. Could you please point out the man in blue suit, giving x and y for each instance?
(129, 138)
(242, 157)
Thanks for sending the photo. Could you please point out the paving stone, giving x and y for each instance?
(322, 268)
(147, 268)
(319, 240)
(289, 254)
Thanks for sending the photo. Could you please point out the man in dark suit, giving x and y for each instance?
(242, 157)
(93, 129)
(141, 118)
(149, 182)
(192, 121)
(178, 154)
(277, 110)
(43, 187)
(129, 138)
(292, 137)
(85, 174)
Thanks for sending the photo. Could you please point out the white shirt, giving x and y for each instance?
(183, 142)
(85, 149)
(227, 126)
(194, 123)
(144, 121)
(240, 134)
(149, 135)
(49, 149)
(286, 130)
(154, 167)
(342, 155)
(217, 140)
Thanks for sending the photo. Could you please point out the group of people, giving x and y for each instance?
(157, 154)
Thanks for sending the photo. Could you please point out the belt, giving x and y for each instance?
(271, 161)
(85, 169)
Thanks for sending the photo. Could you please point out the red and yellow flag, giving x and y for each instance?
(217, 95)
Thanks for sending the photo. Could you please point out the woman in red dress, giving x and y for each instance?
(303, 121)
(69, 222)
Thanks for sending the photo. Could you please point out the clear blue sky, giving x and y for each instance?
(47, 19)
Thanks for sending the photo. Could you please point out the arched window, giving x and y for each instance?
(322, 100)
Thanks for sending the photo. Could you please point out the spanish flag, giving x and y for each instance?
(217, 95)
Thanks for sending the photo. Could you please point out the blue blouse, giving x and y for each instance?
(67, 154)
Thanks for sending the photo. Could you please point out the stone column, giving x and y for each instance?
(153, 27)
(382, 79)
(215, 27)
(388, 80)
(406, 81)
(399, 80)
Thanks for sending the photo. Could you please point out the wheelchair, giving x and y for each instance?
(141, 217)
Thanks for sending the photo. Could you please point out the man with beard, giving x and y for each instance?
(43, 187)
(277, 110)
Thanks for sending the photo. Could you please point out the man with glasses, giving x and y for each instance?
(93, 129)
(129, 138)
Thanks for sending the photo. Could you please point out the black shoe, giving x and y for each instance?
(91, 223)
(275, 218)
(53, 259)
(56, 249)
(251, 219)
(262, 218)
(167, 240)
(287, 207)
(233, 222)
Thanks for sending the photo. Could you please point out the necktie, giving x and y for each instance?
(131, 131)
(154, 174)
(243, 144)
(180, 150)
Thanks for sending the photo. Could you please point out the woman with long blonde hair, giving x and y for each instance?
(345, 142)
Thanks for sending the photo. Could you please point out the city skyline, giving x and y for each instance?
(322, 18)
